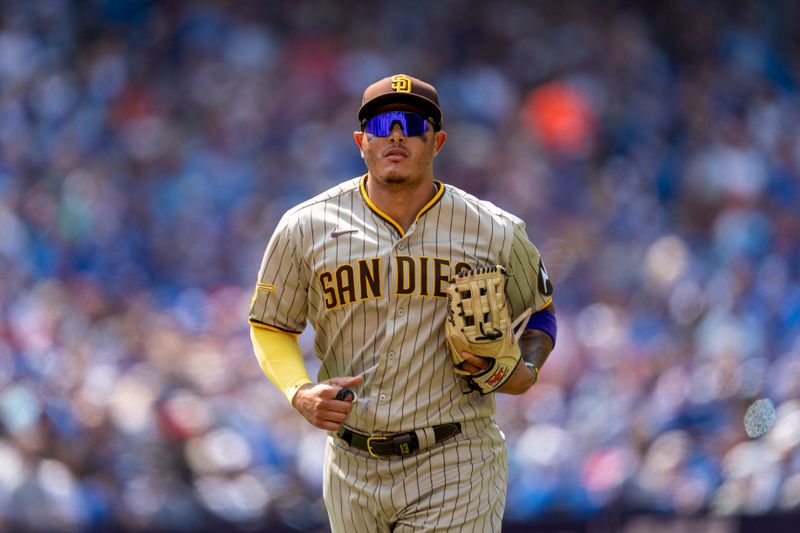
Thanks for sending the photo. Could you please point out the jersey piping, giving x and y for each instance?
(436, 197)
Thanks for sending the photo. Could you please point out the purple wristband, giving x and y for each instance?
(544, 320)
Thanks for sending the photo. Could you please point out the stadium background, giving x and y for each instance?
(147, 149)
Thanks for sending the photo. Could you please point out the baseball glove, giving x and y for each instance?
(478, 322)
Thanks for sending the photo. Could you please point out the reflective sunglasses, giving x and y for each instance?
(413, 124)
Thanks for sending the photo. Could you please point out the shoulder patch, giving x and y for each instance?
(545, 286)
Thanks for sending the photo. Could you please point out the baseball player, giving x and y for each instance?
(411, 446)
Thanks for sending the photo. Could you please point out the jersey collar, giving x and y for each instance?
(433, 201)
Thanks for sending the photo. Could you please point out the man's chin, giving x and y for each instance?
(394, 179)
(397, 176)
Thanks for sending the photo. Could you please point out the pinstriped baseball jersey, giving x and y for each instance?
(375, 294)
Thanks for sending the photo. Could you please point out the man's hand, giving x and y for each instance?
(536, 347)
(317, 403)
(522, 378)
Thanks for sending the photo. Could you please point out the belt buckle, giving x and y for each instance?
(369, 445)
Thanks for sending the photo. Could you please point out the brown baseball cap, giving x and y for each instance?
(402, 89)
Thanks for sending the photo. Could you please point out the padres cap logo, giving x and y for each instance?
(401, 83)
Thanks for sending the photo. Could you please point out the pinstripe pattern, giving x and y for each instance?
(375, 295)
(458, 485)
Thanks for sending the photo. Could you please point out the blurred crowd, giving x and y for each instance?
(147, 150)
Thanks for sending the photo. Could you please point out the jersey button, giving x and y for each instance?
(382, 398)
(390, 355)
(402, 246)
(401, 312)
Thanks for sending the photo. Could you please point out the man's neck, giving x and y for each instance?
(401, 202)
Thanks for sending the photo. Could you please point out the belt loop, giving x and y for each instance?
(426, 437)
(345, 435)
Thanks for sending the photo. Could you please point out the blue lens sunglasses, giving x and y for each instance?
(380, 125)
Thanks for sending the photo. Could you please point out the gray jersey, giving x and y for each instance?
(375, 294)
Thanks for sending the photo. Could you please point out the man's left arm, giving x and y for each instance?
(535, 345)
(530, 286)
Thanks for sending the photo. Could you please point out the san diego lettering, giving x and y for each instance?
(421, 276)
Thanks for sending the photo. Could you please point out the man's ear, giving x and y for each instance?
(359, 138)
(438, 141)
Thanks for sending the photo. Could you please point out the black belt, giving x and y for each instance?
(398, 444)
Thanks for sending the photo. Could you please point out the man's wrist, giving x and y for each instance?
(292, 394)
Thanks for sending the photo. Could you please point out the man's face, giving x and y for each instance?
(399, 159)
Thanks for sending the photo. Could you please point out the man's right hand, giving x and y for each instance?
(318, 404)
